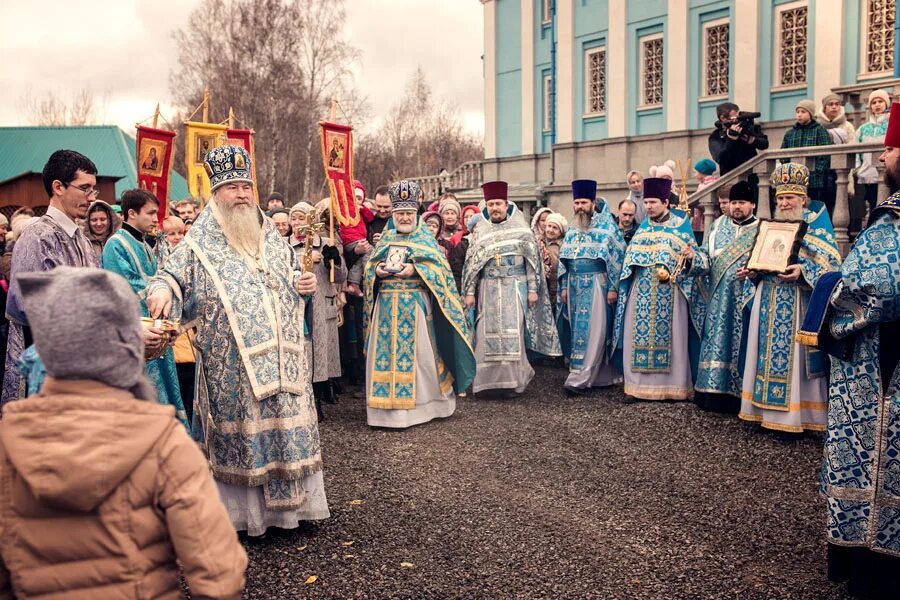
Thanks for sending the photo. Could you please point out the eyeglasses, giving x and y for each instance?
(87, 189)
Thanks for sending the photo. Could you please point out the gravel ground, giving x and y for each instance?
(548, 496)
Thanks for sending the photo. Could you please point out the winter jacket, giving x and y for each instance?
(457, 249)
(872, 130)
(101, 493)
(840, 129)
(803, 136)
(729, 153)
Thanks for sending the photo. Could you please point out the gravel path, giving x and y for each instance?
(548, 496)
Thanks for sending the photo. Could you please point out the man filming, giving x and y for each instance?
(736, 137)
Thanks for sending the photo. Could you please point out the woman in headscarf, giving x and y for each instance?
(100, 224)
(435, 223)
(554, 233)
(636, 194)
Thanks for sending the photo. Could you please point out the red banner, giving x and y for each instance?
(337, 158)
(154, 163)
(244, 139)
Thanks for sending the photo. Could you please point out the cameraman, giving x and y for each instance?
(736, 137)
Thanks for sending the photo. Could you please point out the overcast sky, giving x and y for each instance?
(123, 51)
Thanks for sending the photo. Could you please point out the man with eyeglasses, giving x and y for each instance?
(70, 179)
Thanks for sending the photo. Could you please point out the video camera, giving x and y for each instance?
(744, 118)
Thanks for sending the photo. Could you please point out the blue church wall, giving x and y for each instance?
(508, 46)
(591, 26)
(542, 38)
(702, 113)
(644, 17)
(780, 104)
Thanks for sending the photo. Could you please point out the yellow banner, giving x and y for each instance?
(201, 138)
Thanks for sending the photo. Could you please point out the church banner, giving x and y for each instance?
(201, 138)
(154, 163)
(337, 158)
(244, 139)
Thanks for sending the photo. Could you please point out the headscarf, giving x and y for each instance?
(114, 222)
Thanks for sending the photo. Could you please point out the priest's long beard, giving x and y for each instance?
(582, 220)
(794, 214)
(241, 227)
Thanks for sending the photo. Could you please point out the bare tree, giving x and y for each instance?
(418, 137)
(277, 63)
(52, 108)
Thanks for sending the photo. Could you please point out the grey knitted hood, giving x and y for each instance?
(86, 325)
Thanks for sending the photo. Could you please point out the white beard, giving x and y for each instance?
(582, 221)
(240, 226)
(795, 214)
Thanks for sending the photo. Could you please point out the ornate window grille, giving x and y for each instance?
(595, 81)
(652, 70)
(716, 54)
(547, 91)
(878, 36)
(793, 43)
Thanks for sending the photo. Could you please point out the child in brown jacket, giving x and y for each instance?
(101, 490)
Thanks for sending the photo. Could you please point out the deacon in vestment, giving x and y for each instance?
(659, 315)
(70, 180)
(240, 283)
(503, 281)
(419, 356)
(784, 385)
(127, 254)
(854, 316)
(589, 259)
(725, 251)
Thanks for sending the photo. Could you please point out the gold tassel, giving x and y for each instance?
(806, 338)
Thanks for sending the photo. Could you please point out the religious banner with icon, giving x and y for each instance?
(154, 163)
(201, 138)
(244, 139)
(337, 157)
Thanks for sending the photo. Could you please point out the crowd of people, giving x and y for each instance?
(171, 369)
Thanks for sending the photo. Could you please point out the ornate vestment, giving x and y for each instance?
(255, 402)
(42, 246)
(134, 260)
(653, 315)
(397, 312)
(784, 386)
(503, 265)
(726, 249)
(588, 261)
(861, 467)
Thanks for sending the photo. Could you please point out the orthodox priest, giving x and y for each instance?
(859, 327)
(659, 315)
(784, 386)
(237, 280)
(504, 284)
(419, 356)
(725, 251)
(589, 259)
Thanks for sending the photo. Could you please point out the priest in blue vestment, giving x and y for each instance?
(725, 251)
(784, 386)
(504, 285)
(659, 313)
(241, 284)
(856, 319)
(589, 259)
(128, 254)
(419, 356)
